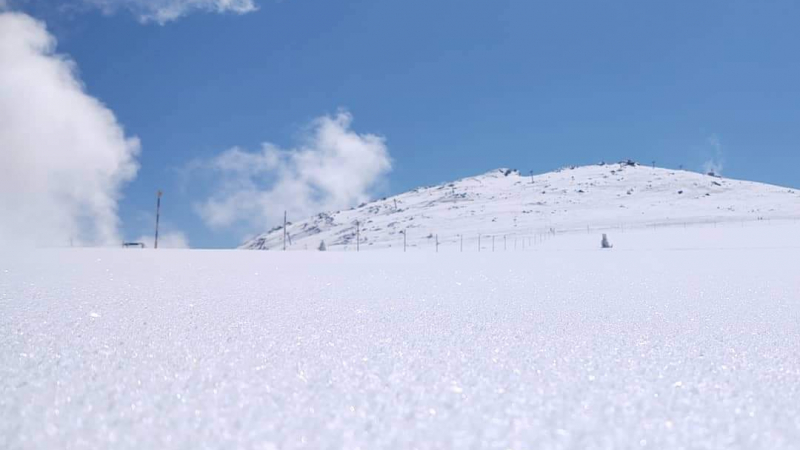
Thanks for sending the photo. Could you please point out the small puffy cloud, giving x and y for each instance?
(333, 168)
(64, 156)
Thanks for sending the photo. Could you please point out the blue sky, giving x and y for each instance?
(456, 88)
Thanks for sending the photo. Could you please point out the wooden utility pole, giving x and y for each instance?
(158, 216)
(284, 231)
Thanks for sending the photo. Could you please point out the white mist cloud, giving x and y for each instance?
(63, 155)
(716, 162)
(169, 235)
(334, 168)
(163, 11)
(168, 239)
(159, 11)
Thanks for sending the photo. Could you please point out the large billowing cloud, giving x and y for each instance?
(333, 168)
(63, 156)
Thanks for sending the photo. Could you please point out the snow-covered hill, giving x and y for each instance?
(506, 204)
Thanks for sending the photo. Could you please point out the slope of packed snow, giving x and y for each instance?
(675, 338)
(506, 203)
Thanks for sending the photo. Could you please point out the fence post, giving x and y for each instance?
(492, 242)
(462, 242)
(437, 243)
(404, 240)
(504, 243)
(479, 242)
(158, 216)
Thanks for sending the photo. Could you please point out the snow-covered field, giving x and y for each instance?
(676, 338)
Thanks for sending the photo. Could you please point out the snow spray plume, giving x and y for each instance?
(334, 168)
(167, 239)
(64, 156)
(715, 164)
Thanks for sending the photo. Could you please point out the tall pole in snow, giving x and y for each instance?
(358, 235)
(158, 217)
(284, 231)
(404, 240)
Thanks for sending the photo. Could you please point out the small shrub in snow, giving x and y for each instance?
(604, 243)
(322, 247)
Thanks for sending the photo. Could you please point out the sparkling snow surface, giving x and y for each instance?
(657, 343)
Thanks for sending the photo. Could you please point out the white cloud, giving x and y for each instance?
(168, 239)
(63, 155)
(163, 11)
(159, 11)
(333, 168)
(716, 162)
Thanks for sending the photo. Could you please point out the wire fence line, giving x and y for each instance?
(406, 240)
